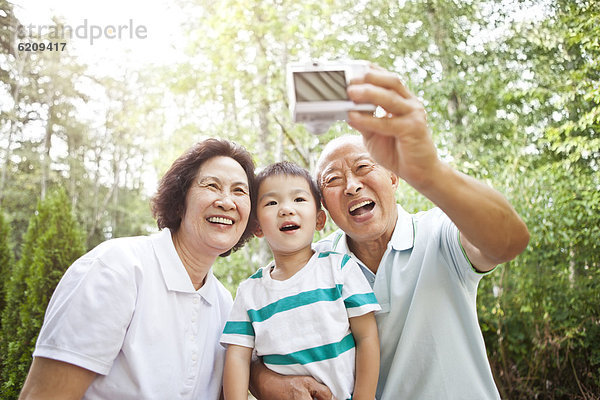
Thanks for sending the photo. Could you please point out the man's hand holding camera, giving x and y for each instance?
(400, 139)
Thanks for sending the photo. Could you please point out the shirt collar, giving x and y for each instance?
(403, 237)
(173, 271)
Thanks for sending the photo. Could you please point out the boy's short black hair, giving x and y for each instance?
(285, 168)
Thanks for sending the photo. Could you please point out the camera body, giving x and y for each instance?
(317, 92)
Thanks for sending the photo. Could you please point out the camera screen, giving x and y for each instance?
(320, 86)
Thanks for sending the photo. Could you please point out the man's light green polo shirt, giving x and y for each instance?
(431, 343)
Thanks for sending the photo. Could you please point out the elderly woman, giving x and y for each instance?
(141, 317)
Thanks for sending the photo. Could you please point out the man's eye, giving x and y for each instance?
(332, 180)
(239, 190)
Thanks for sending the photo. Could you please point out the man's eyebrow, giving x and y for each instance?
(330, 167)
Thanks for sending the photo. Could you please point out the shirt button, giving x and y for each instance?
(196, 300)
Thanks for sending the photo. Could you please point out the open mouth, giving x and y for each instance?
(289, 227)
(362, 207)
(220, 220)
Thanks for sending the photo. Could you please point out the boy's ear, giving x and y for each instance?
(258, 232)
(321, 219)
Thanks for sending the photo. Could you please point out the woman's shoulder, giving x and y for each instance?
(121, 247)
(119, 254)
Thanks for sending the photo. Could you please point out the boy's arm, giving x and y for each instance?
(237, 372)
(364, 330)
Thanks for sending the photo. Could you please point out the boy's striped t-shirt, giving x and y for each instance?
(300, 326)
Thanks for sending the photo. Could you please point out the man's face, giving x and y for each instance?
(358, 192)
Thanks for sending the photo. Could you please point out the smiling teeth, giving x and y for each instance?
(359, 205)
(220, 220)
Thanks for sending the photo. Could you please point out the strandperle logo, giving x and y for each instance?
(90, 32)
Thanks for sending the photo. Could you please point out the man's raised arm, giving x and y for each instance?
(491, 230)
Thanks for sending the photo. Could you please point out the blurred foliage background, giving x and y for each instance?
(512, 91)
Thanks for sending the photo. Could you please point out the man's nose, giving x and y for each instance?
(353, 185)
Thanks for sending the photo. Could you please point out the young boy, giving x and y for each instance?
(305, 313)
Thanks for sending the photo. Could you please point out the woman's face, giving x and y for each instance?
(217, 207)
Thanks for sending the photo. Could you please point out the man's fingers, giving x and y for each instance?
(364, 122)
(380, 96)
(378, 76)
(389, 80)
(307, 388)
(321, 393)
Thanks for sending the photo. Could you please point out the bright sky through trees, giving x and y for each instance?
(97, 27)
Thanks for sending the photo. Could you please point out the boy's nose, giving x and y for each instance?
(286, 210)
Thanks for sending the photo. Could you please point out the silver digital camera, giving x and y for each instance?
(317, 92)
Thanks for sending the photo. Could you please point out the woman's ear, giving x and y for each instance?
(321, 219)
(258, 232)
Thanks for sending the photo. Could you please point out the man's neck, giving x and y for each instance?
(370, 253)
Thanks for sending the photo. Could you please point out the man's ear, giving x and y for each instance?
(258, 231)
(395, 180)
(321, 219)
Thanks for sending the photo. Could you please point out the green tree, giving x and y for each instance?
(541, 327)
(52, 242)
(7, 260)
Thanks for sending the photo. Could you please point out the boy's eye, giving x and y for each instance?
(299, 199)
(271, 203)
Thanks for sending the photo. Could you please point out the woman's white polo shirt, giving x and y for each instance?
(128, 311)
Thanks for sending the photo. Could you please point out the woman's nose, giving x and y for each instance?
(225, 202)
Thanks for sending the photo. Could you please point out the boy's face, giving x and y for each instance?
(287, 213)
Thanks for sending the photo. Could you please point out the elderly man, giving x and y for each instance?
(424, 268)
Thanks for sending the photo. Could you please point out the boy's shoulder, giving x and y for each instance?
(256, 275)
(255, 278)
(335, 258)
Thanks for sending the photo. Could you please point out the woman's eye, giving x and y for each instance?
(331, 180)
